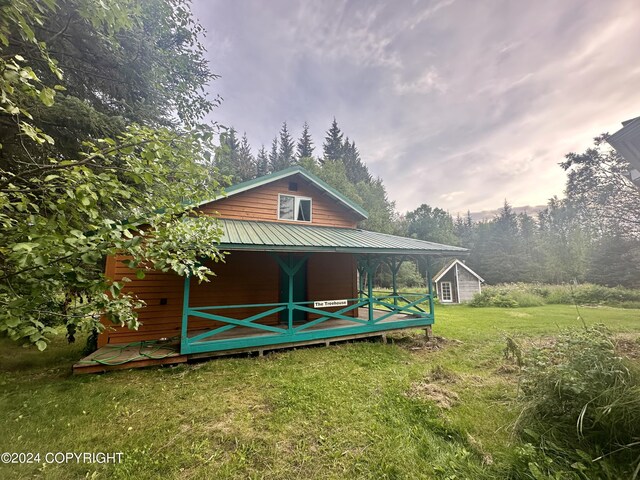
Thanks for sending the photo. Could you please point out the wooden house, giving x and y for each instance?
(299, 271)
(457, 283)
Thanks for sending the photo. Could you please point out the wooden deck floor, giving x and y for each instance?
(144, 354)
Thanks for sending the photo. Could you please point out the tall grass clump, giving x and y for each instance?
(581, 409)
(536, 294)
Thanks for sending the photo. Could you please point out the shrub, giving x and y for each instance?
(493, 298)
(560, 294)
(526, 299)
(536, 294)
(581, 401)
(589, 293)
(509, 296)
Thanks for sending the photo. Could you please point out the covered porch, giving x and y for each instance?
(309, 319)
(282, 286)
(322, 313)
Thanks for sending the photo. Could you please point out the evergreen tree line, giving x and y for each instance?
(591, 235)
(234, 156)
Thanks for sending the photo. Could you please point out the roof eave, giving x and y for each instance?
(366, 250)
(444, 271)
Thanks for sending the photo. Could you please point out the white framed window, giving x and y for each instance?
(445, 288)
(293, 207)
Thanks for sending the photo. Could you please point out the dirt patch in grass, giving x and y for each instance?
(441, 396)
(421, 342)
(432, 388)
(628, 346)
(508, 369)
(443, 375)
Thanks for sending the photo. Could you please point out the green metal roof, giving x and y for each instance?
(286, 237)
(287, 172)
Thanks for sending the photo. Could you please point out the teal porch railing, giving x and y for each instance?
(382, 311)
(386, 307)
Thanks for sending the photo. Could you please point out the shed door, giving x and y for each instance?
(299, 293)
(446, 294)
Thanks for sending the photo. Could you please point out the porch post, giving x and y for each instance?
(184, 342)
(430, 283)
(394, 272)
(290, 274)
(290, 269)
(370, 287)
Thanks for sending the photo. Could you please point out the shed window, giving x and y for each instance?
(294, 208)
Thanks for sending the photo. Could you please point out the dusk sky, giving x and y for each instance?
(455, 103)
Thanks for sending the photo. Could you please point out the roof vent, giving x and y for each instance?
(293, 186)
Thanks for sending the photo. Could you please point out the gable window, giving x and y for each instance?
(292, 207)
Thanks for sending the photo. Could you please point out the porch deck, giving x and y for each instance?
(144, 354)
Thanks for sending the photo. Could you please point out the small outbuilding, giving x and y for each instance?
(457, 283)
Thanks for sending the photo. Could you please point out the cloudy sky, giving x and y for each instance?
(455, 103)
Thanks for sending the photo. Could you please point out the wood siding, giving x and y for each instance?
(468, 285)
(157, 320)
(332, 276)
(245, 278)
(261, 203)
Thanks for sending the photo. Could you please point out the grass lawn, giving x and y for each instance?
(355, 410)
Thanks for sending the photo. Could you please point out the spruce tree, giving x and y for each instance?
(226, 156)
(464, 230)
(246, 166)
(356, 170)
(506, 256)
(287, 147)
(346, 156)
(614, 261)
(273, 156)
(333, 146)
(564, 242)
(305, 144)
(231, 139)
(262, 163)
